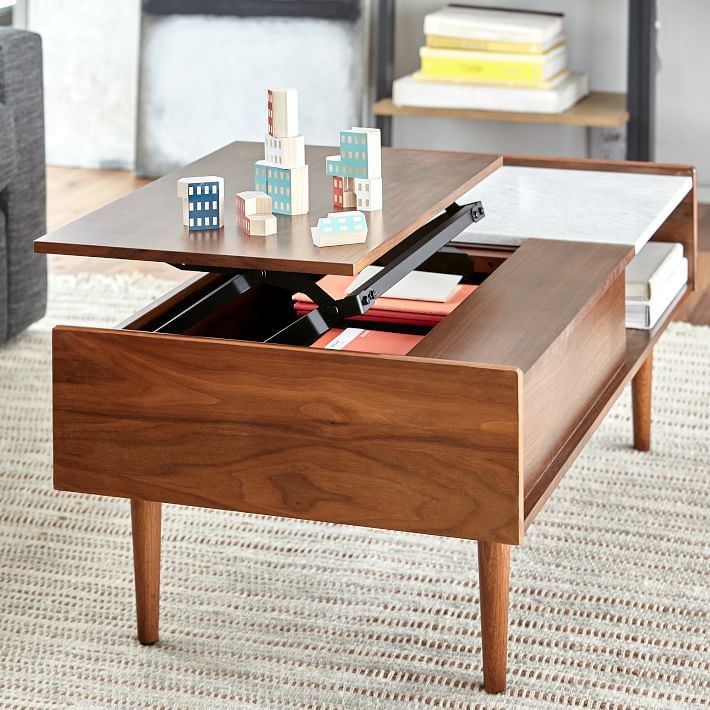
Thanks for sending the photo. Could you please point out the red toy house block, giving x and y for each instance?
(343, 192)
(271, 112)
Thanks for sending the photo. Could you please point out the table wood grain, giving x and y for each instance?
(147, 224)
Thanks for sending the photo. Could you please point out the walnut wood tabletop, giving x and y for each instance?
(147, 224)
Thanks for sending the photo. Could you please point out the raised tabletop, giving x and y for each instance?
(147, 224)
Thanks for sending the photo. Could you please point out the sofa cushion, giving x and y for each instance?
(8, 147)
(4, 278)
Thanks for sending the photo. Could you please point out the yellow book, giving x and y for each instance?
(485, 45)
(476, 66)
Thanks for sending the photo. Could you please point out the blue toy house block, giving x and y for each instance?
(203, 200)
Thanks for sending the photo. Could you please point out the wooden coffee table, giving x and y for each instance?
(466, 436)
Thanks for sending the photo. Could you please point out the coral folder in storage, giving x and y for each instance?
(359, 340)
(391, 310)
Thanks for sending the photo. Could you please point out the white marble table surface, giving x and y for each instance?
(580, 205)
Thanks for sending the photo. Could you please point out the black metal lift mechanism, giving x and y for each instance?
(406, 257)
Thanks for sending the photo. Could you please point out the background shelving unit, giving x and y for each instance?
(635, 109)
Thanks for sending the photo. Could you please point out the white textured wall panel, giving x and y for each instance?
(90, 79)
(204, 82)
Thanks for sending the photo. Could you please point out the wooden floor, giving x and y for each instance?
(73, 192)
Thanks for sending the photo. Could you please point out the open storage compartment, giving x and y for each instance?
(443, 440)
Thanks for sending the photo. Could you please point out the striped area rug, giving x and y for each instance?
(609, 598)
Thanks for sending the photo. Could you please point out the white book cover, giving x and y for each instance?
(493, 24)
(643, 315)
(415, 286)
(407, 91)
(651, 268)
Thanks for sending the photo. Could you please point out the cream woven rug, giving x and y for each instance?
(609, 600)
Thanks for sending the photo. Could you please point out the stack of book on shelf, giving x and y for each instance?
(493, 59)
(420, 299)
(655, 276)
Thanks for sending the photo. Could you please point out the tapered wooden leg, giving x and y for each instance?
(641, 404)
(145, 519)
(494, 580)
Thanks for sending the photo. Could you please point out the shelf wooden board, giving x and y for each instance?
(597, 109)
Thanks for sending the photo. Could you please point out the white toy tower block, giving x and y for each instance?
(340, 228)
(202, 202)
(283, 112)
(283, 174)
(368, 194)
(254, 214)
(360, 160)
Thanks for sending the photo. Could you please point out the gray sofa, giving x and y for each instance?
(23, 275)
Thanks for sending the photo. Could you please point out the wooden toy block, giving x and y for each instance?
(202, 202)
(258, 225)
(289, 152)
(283, 112)
(253, 202)
(368, 194)
(254, 213)
(288, 189)
(343, 193)
(261, 225)
(361, 153)
(340, 228)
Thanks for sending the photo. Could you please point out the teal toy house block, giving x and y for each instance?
(340, 228)
(334, 166)
(360, 153)
(288, 189)
(342, 222)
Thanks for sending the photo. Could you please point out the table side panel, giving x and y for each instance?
(682, 226)
(564, 383)
(524, 306)
(555, 310)
(394, 443)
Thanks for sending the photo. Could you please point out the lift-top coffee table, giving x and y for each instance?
(209, 397)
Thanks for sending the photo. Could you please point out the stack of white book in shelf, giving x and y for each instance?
(492, 59)
(655, 276)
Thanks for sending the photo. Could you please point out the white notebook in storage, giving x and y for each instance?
(415, 286)
(651, 268)
(644, 314)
